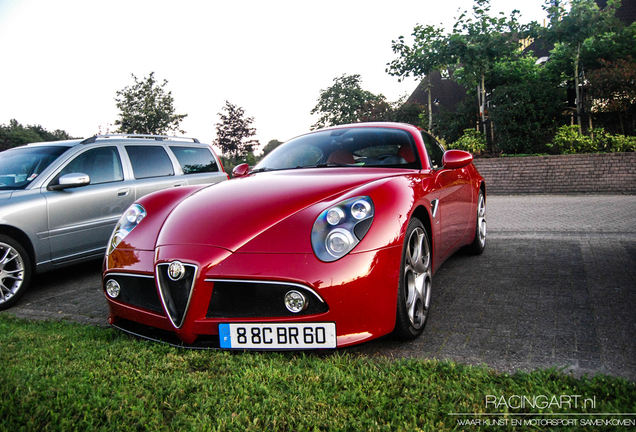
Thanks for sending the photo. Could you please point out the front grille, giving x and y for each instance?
(175, 295)
(251, 299)
(137, 290)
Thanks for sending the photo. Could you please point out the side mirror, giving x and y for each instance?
(240, 170)
(454, 159)
(72, 180)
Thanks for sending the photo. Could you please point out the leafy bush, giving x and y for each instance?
(613, 143)
(569, 141)
(472, 141)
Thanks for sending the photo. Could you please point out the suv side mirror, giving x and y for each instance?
(240, 170)
(454, 159)
(72, 180)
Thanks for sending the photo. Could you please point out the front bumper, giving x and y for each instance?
(357, 292)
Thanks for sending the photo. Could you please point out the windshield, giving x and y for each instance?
(20, 166)
(355, 147)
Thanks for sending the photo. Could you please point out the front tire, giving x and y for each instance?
(414, 290)
(15, 272)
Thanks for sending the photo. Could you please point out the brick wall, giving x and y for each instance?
(583, 173)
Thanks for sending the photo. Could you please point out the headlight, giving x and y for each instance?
(341, 227)
(128, 221)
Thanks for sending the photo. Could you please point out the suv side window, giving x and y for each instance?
(435, 151)
(195, 159)
(102, 165)
(149, 161)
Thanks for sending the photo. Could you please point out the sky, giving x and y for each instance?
(64, 60)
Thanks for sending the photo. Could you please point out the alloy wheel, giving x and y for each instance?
(417, 278)
(11, 272)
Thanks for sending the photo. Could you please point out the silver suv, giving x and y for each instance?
(59, 201)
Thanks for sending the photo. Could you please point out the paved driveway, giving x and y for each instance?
(556, 286)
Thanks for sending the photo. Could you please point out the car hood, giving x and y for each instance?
(232, 213)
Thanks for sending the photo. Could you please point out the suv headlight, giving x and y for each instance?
(341, 227)
(128, 221)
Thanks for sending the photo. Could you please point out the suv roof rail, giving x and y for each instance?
(155, 137)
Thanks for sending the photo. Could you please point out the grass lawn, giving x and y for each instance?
(64, 376)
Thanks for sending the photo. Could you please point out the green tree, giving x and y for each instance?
(234, 133)
(616, 43)
(526, 106)
(411, 113)
(270, 146)
(570, 30)
(14, 134)
(425, 56)
(147, 108)
(478, 42)
(612, 88)
(450, 125)
(345, 102)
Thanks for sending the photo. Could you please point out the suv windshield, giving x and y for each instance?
(20, 166)
(355, 147)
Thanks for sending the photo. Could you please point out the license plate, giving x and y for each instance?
(278, 335)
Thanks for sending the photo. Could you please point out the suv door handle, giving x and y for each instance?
(124, 192)
(181, 183)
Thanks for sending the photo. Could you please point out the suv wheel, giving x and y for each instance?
(15, 271)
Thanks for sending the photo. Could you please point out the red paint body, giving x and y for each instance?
(258, 228)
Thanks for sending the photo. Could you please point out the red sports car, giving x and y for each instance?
(331, 240)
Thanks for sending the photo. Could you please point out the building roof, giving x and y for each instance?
(626, 13)
(446, 93)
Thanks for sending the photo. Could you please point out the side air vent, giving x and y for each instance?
(251, 299)
(137, 290)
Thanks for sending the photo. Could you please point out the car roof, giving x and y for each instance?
(140, 138)
(136, 138)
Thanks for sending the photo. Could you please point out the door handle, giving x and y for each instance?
(177, 184)
(124, 192)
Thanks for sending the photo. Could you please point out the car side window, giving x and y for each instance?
(435, 151)
(102, 165)
(149, 161)
(195, 159)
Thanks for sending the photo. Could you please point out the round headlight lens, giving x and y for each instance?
(360, 209)
(335, 215)
(339, 242)
(112, 288)
(134, 215)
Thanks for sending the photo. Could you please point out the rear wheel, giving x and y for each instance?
(15, 271)
(414, 291)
